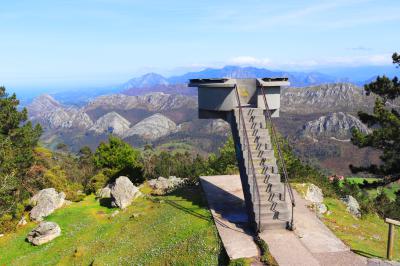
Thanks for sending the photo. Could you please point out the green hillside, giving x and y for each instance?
(171, 230)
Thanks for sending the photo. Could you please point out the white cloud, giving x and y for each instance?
(306, 64)
(312, 63)
(249, 60)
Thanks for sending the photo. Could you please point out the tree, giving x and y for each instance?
(385, 125)
(18, 137)
(118, 158)
(226, 162)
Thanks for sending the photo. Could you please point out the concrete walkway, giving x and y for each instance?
(225, 199)
(312, 243)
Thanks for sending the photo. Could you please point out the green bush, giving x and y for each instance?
(97, 182)
(266, 256)
(119, 158)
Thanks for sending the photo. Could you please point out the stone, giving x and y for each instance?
(115, 213)
(314, 194)
(123, 192)
(352, 205)
(321, 208)
(22, 222)
(105, 192)
(45, 202)
(45, 232)
(162, 185)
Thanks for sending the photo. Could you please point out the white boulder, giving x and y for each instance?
(45, 232)
(352, 205)
(104, 192)
(123, 192)
(314, 194)
(22, 222)
(45, 202)
(163, 185)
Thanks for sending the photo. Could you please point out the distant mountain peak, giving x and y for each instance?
(111, 122)
(147, 80)
(336, 125)
(152, 127)
(42, 104)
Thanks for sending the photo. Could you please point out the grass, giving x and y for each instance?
(175, 147)
(171, 230)
(366, 236)
(360, 180)
(390, 189)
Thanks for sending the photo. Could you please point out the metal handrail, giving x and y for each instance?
(249, 158)
(287, 185)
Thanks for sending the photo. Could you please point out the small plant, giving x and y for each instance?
(266, 256)
(240, 262)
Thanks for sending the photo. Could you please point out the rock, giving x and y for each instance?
(111, 123)
(352, 205)
(123, 192)
(22, 222)
(152, 127)
(105, 192)
(336, 125)
(163, 185)
(52, 114)
(321, 208)
(45, 232)
(328, 97)
(314, 194)
(45, 202)
(115, 213)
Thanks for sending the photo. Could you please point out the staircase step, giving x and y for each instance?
(279, 215)
(258, 139)
(255, 138)
(273, 225)
(272, 181)
(271, 205)
(278, 205)
(270, 197)
(258, 146)
(271, 188)
(261, 161)
(263, 153)
(269, 179)
(253, 132)
(266, 169)
(253, 111)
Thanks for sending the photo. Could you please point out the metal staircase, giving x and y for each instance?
(265, 189)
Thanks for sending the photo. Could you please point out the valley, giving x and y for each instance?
(316, 120)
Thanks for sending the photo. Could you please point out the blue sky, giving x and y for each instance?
(59, 43)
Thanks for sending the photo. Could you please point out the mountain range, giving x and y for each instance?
(316, 120)
(153, 82)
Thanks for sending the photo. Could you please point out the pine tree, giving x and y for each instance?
(18, 138)
(385, 125)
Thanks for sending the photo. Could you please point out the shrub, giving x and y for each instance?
(119, 158)
(97, 182)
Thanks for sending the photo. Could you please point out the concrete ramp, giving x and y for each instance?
(226, 202)
(311, 244)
